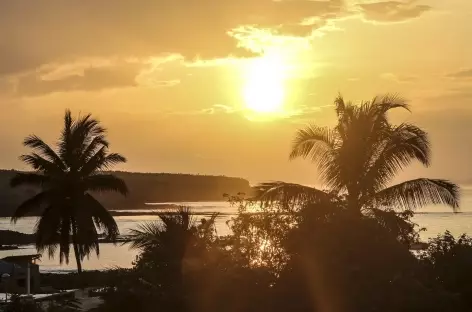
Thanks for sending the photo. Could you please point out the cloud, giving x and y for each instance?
(216, 109)
(88, 79)
(92, 74)
(165, 83)
(219, 109)
(7, 87)
(458, 97)
(35, 33)
(398, 78)
(462, 74)
(392, 11)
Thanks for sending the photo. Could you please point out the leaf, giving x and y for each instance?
(105, 183)
(33, 179)
(45, 150)
(102, 217)
(417, 193)
(280, 191)
(30, 205)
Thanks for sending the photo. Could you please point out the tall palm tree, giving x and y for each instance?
(359, 158)
(69, 214)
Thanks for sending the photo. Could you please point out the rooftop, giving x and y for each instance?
(22, 258)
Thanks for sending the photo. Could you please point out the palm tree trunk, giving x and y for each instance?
(76, 249)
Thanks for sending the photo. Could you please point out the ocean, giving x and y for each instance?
(436, 220)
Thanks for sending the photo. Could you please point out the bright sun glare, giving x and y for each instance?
(264, 90)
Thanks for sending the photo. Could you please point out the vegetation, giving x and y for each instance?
(69, 213)
(333, 260)
(19, 304)
(295, 248)
(303, 249)
(8, 237)
(359, 158)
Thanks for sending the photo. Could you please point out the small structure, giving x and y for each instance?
(20, 268)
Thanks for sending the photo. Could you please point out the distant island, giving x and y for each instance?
(143, 187)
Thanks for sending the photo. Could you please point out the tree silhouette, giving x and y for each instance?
(167, 245)
(168, 240)
(69, 213)
(360, 156)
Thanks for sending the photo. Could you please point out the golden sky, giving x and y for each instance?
(219, 87)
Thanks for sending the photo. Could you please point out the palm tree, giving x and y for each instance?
(69, 214)
(172, 225)
(174, 232)
(168, 241)
(358, 159)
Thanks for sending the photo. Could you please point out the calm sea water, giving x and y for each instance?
(436, 219)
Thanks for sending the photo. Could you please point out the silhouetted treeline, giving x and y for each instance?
(321, 258)
(143, 188)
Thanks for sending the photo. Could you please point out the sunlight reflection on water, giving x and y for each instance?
(435, 219)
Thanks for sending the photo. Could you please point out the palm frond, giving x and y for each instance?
(47, 231)
(33, 204)
(320, 145)
(173, 224)
(388, 102)
(40, 164)
(313, 142)
(418, 193)
(45, 150)
(33, 179)
(400, 146)
(111, 160)
(86, 235)
(270, 192)
(64, 143)
(101, 161)
(180, 218)
(77, 136)
(145, 235)
(105, 183)
(104, 221)
(87, 127)
(339, 106)
(95, 144)
(65, 239)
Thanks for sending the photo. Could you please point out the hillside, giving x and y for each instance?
(143, 187)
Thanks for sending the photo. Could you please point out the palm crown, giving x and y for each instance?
(65, 177)
(361, 155)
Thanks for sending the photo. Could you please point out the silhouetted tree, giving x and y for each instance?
(340, 261)
(173, 243)
(359, 158)
(69, 213)
(448, 262)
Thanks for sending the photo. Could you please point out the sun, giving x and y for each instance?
(264, 86)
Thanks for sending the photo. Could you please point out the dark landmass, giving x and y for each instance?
(143, 187)
(8, 247)
(11, 239)
(8, 238)
(117, 213)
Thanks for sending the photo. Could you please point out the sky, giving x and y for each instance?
(220, 87)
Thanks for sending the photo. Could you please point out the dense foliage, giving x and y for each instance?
(301, 249)
(326, 259)
(297, 248)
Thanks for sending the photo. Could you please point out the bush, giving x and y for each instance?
(448, 261)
